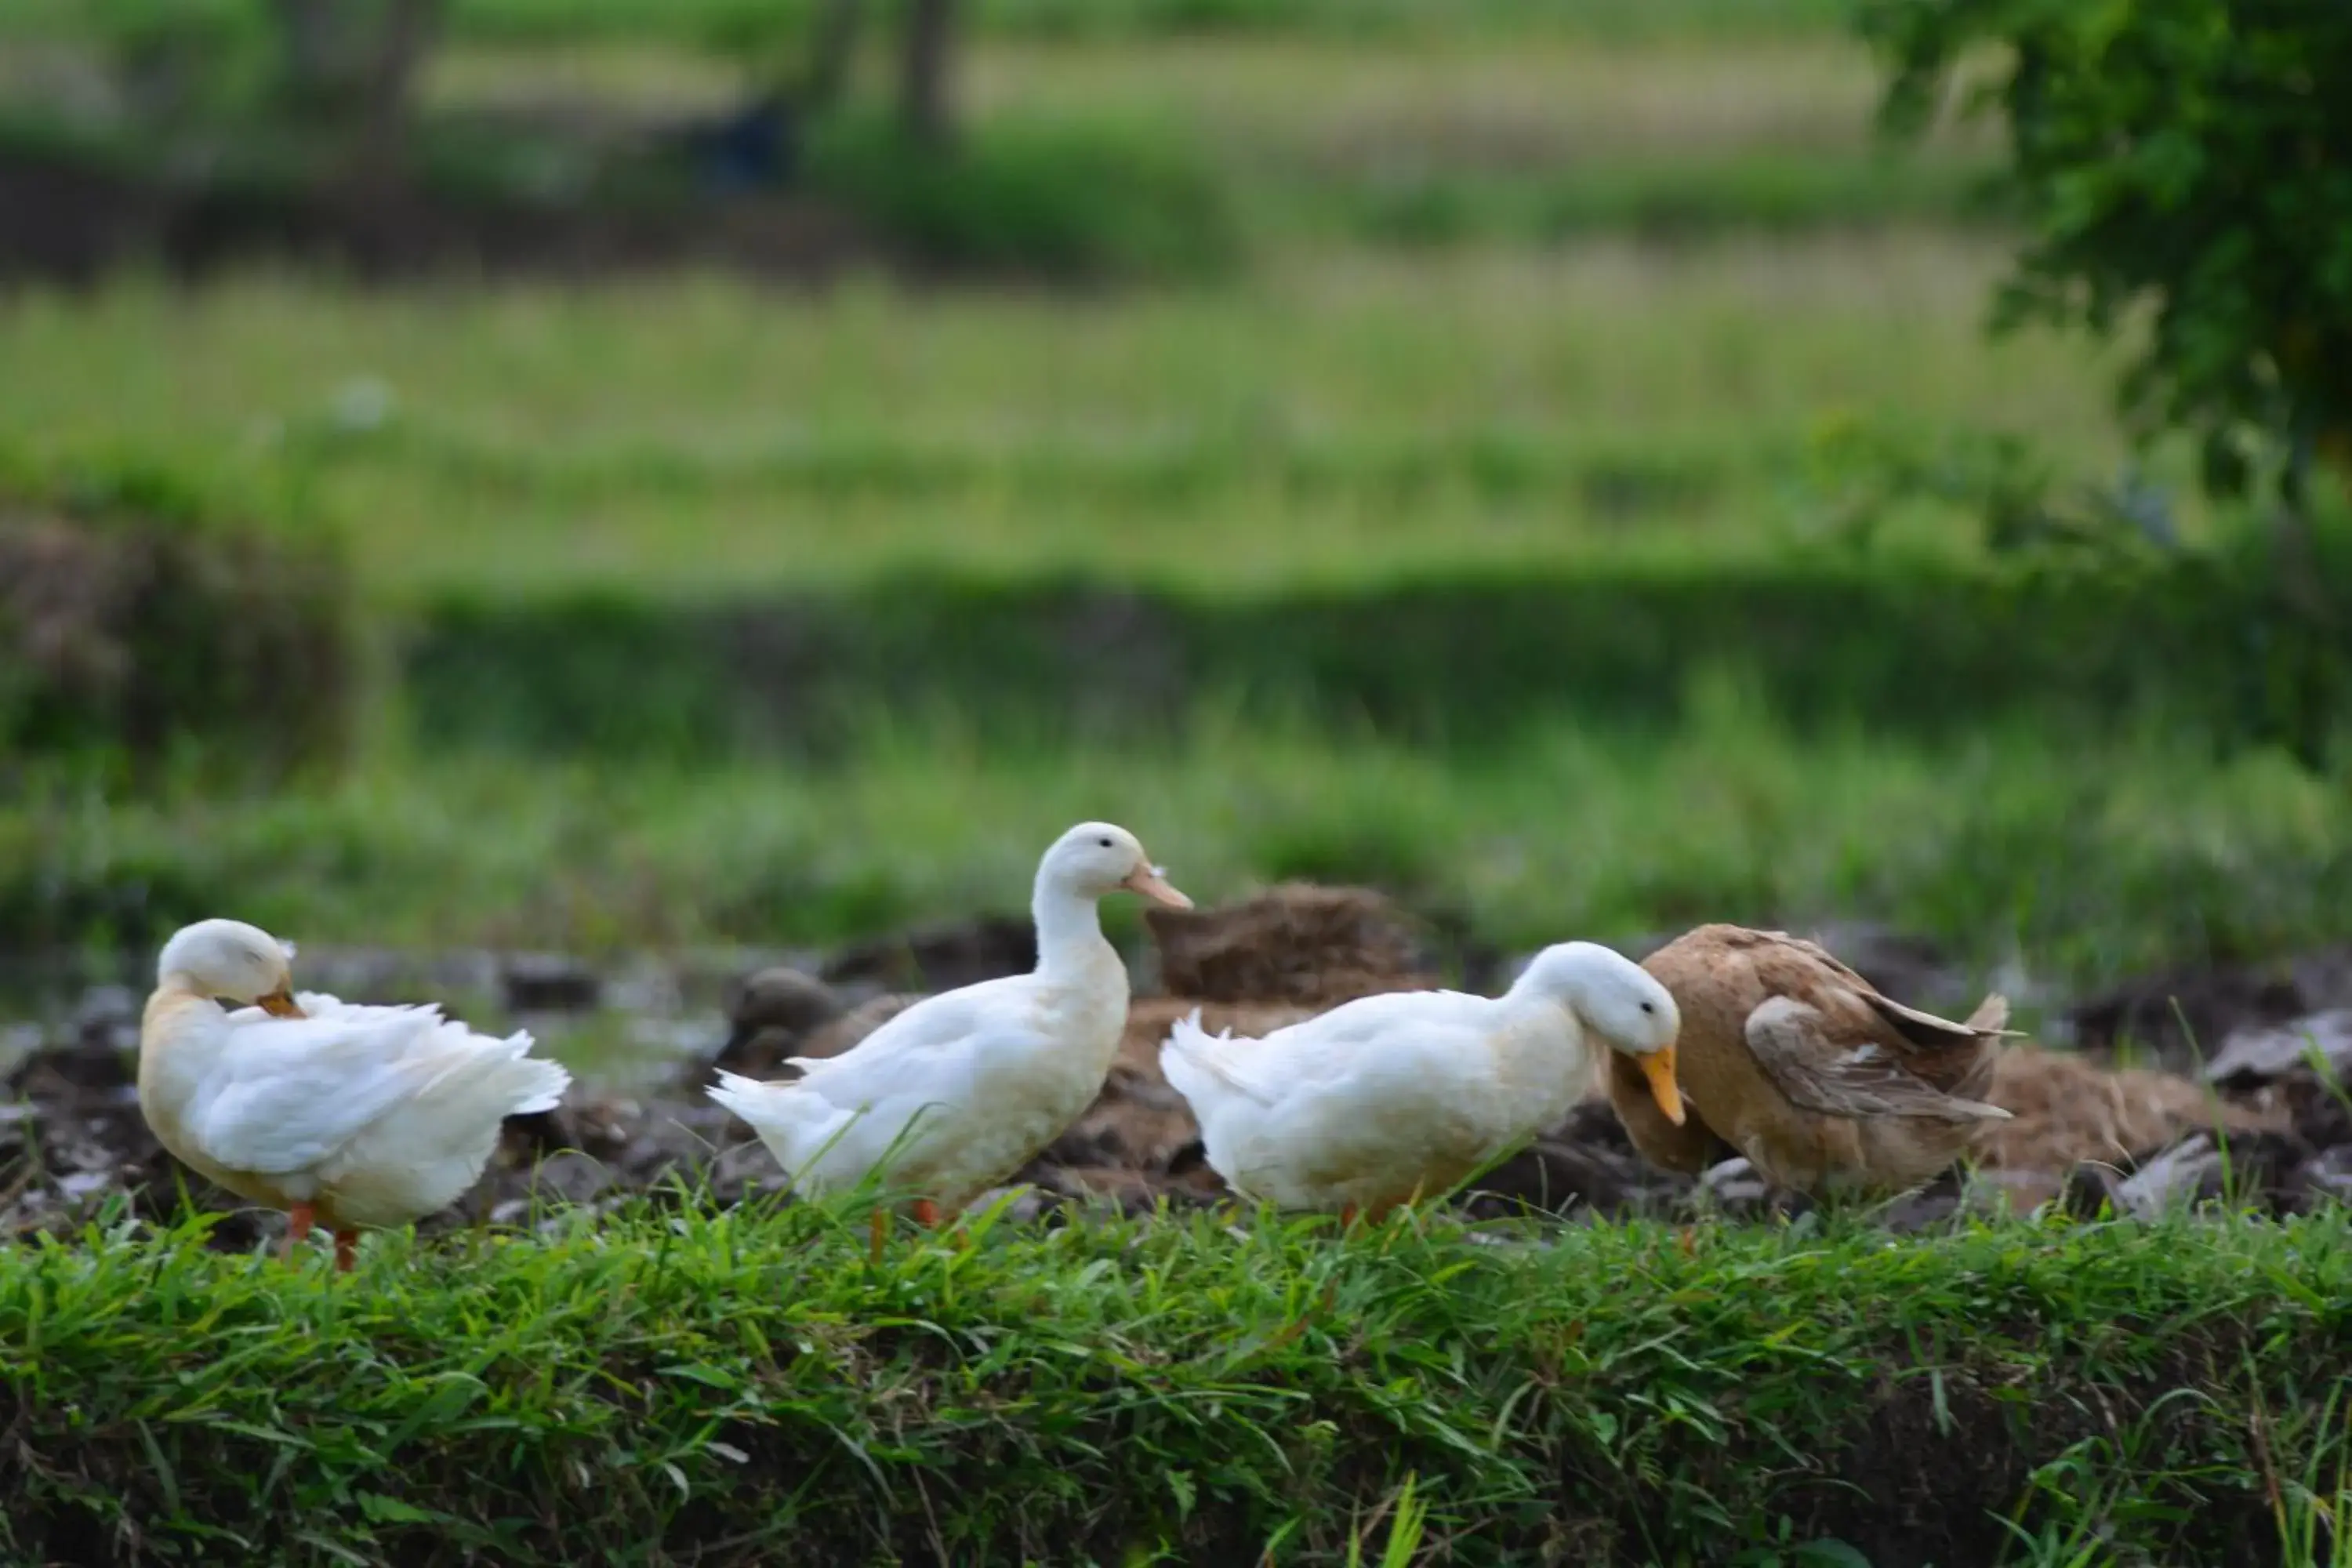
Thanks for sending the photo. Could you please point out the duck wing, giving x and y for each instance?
(1825, 1064)
(1930, 1033)
(1952, 1057)
(294, 1090)
(937, 1039)
(1371, 1036)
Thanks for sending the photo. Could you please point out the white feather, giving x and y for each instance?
(958, 1092)
(949, 1097)
(380, 1114)
(1408, 1092)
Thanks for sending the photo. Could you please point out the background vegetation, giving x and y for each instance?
(627, 475)
(1561, 473)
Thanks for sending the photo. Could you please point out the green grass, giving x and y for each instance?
(1341, 420)
(1516, 135)
(730, 22)
(1118, 152)
(1455, 138)
(1069, 203)
(1464, 99)
(1467, 137)
(1405, 206)
(2078, 861)
(685, 1386)
(2209, 643)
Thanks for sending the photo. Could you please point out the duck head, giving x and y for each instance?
(1098, 857)
(230, 959)
(1619, 1001)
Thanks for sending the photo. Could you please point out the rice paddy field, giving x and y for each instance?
(1575, 495)
(1340, 427)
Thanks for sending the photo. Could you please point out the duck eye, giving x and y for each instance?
(1648, 1007)
(1104, 842)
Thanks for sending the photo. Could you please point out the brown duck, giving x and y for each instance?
(1793, 1060)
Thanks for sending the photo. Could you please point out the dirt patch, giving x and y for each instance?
(2184, 1018)
(940, 957)
(2270, 1132)
(782, 1012)
(1585, 1166)
(1298, 942)
(2069, 1110)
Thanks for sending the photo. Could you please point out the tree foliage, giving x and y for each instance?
(2191, 158)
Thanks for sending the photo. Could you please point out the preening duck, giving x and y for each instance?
(344, 1116)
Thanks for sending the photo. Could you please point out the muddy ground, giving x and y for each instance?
(2087, 1134)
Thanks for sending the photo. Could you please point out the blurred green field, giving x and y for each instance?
(702, 22)
(1434, 127)
(1464, 136)
(1338, 419)
(1471, 345)
(2075, 865)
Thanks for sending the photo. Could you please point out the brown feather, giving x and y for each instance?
(1790, 1058)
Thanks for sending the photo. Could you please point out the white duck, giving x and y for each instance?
(985, 1076)
(1392, 1097)
(342, 1115)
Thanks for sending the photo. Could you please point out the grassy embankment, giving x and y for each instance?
(687, 1386)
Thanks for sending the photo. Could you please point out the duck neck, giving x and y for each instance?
(173, 993)
(1562, 976)
(1530, 997)
(174, 1008)
(1069, 931)
(1541, 1036)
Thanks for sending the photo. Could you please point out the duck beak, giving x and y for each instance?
(1146, 880)
(1658, 1067)
(280, 1004)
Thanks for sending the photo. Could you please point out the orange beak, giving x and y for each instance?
(280, 1004)
(1146, 880)
(1658, 1067)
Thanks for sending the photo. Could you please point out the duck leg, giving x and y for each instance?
(880, 1229)
(299, 1220)
(347, 1250)
(926, 1213)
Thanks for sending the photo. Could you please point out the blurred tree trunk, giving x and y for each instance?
(353, 65)
(411, 28)
(309, 39)
(832, 53)
(926, 63)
